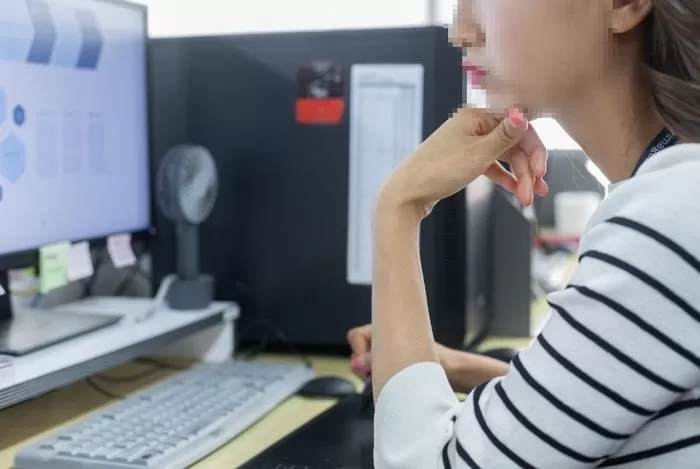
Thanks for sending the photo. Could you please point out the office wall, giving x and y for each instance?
(444, 11)
(205, 17)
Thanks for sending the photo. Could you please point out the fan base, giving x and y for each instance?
(194, 294)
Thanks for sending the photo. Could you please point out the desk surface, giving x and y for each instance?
(32, 420)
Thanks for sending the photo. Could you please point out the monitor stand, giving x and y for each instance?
(36, 329)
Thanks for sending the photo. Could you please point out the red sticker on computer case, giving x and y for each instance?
(320, 94)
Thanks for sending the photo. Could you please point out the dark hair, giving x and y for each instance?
(672, 59)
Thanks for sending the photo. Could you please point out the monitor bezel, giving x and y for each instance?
(28, 257)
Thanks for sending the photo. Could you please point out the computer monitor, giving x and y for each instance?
(74, 140)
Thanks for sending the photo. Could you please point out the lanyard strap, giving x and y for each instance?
(662, 141)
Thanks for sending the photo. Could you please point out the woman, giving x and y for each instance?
(613, 379)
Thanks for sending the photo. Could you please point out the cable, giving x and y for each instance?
(128, 378)
(279, 334)
(155, 366)
(90, 382)
(257, 350)
(242, 295)
(162, 364)
(282, 337)
(159, 300)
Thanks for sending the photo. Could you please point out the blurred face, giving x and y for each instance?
(539, 55)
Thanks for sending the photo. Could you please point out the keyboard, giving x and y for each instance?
(172, 424)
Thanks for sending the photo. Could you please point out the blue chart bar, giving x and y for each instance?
(37, 32)
(92, 39)
(44, 32)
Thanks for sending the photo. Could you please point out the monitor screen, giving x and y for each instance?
(73, 121)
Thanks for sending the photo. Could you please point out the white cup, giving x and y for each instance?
(573, 210)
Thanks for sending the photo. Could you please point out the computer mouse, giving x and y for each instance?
(328, 387)
(502, 354)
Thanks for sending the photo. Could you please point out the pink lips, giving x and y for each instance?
(477, 75)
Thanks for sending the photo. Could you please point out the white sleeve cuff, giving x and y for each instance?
(413, 417)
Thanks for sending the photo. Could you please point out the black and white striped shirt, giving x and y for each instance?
(614, 378)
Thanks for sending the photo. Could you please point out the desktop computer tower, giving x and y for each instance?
(278, 239)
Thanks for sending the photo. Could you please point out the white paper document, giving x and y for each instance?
(386, 126)
(119, 248)
(79, 264)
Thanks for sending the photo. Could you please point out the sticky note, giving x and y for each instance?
(79, 263)
(119, 249)
(53, 272)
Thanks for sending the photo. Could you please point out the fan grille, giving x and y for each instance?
(187, 184)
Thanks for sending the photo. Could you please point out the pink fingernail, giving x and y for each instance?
(356, 364)
(516, 117)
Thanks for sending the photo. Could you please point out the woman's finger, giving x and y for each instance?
(541, 187)
(533, 147)
(520, 164)
(362, 365)
(360, 340)
(501, 176)
(503, 137)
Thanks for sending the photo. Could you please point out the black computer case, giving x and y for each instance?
(277, 239)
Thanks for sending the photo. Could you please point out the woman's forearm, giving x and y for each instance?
(465, 371)
(401, 330)
(402, 334)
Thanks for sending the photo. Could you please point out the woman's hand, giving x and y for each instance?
(466, 146)
(360, 340)
(464, 370)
